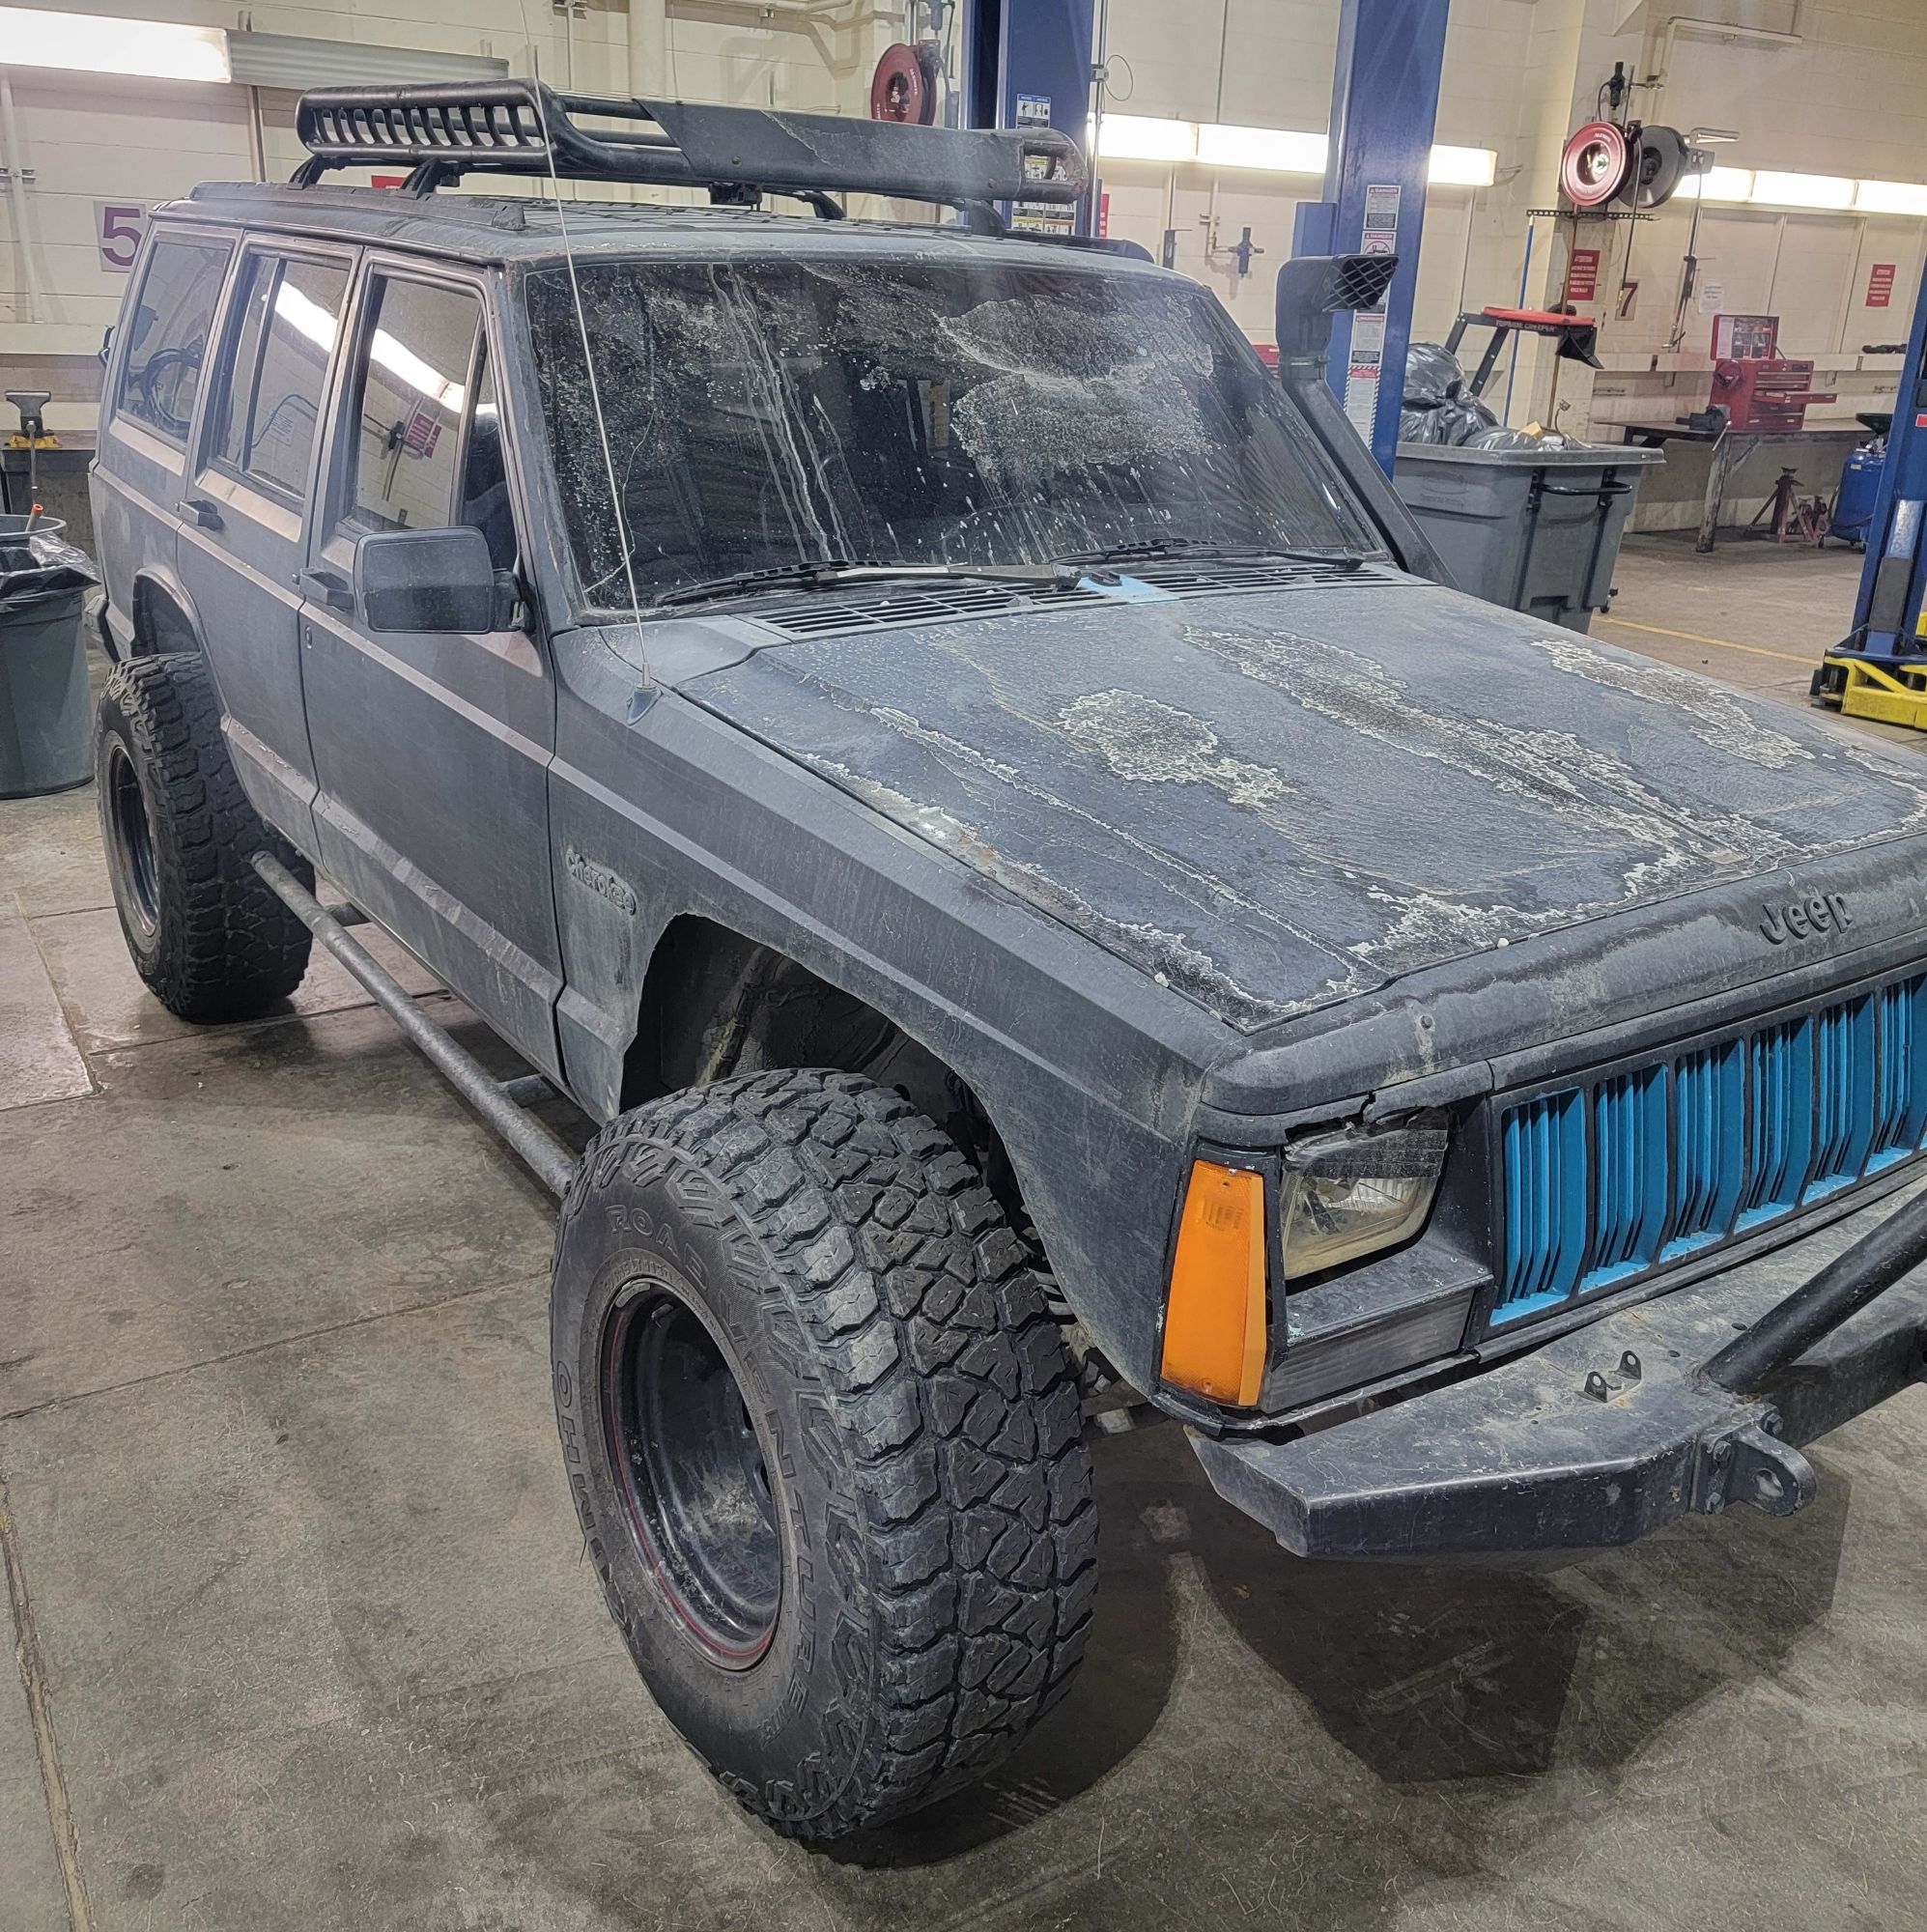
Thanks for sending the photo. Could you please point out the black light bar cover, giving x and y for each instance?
(519, 127)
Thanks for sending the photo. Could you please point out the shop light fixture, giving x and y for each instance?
(1277, 148)
(1878, 197)
(1281, 151)
(1827, 194)
(1779, 189)
(1734, 184)
(1143, 137)
(95, 44)
(1462, 167)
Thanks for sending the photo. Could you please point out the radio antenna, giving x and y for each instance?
(588, 364)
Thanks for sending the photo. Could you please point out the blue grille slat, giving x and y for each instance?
(1900, 1111)
(1779, 1128)
(1607, 1179)
(1844, 1098)
(1544, 1158)
(1708, 1119)
(1629, 1174)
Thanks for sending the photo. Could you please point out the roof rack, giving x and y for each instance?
(449, 129)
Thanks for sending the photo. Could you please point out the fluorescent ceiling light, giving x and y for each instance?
(1143, 138)
(1275, 148)
(95, 44)
(1281, 151)
(1877, 197)
(1720, 185)
(1462, 167)
(1791, 190)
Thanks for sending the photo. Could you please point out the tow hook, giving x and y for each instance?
(1752, 1465)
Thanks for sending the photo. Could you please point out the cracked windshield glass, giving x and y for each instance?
(765, 414)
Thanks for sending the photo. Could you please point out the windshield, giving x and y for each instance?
(774, 412)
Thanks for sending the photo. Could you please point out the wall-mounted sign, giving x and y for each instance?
(1582, 275)
(118, 228)
(1880, 285)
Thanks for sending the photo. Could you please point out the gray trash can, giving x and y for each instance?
(47, 715)
(1533, 529)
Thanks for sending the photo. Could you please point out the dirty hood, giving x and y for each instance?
(1279, 800)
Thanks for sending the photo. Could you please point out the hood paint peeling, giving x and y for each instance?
(1277, 801)
(1140, 738)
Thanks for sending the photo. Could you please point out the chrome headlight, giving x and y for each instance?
(1352, 1193)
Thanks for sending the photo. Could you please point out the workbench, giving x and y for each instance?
(1729, 446)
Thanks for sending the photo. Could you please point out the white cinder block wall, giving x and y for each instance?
(1843, 90)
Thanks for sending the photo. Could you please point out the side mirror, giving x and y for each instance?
(432, 580)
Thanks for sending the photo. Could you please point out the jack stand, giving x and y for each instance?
(1793, 520)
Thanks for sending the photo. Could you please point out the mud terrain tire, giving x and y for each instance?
(209, 937)
(793, 1284)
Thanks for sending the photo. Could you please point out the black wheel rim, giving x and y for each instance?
(132, 841)
(689, 1463)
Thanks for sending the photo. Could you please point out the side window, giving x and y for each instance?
(167, 334)
(409, 407)
(289, 315)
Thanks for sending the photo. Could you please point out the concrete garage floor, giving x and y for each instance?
(1752, 613)
(305, 1639)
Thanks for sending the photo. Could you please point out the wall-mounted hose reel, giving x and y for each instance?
(1642, 166)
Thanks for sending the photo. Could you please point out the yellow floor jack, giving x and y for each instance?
(1880, 670)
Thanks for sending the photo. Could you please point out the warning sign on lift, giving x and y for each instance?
(1368, 326)
(1040, 218)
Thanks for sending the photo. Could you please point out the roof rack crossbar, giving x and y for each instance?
(446, 130)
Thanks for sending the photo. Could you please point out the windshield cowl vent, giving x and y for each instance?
(833, 612)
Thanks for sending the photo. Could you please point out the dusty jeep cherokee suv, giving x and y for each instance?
(978, 787)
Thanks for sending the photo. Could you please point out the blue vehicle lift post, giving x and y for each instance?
(1879, 670)
(1384, 106)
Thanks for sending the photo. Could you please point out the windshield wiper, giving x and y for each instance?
(1203, 546)
(833, 572)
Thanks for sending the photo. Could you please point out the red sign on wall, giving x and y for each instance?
(1880, 285)
(1582, 275)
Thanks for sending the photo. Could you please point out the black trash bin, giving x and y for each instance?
(47, 718)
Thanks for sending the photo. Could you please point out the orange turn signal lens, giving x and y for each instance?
(1214, 1319)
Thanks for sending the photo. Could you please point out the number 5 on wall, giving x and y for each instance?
(118, 228)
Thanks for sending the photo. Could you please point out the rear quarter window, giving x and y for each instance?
(168, 331)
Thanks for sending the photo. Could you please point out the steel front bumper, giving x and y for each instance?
(1599, 1436)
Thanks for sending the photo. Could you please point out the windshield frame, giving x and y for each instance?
(892, 245)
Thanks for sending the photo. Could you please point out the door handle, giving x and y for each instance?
(199, 511)
(327, 586)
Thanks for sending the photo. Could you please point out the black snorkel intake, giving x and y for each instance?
(1312, 289)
